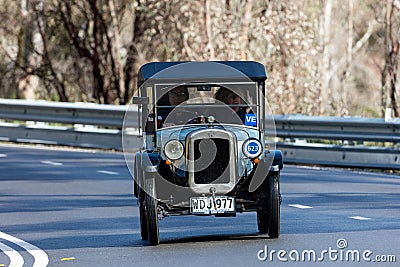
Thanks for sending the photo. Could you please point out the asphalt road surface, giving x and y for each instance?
(74, 208)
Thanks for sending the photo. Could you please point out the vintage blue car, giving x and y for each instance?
(207, 144)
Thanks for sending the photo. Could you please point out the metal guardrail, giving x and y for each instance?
(82, 124)
(343, 156)
(338, 128)
(100, 126)
(356, 138)
(66, 113)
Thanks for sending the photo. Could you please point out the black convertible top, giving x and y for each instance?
(202, 71)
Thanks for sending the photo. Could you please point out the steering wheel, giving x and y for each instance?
(182, 116)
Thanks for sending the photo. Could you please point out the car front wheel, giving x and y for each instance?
(143, 220)
(274, 204)
(262, 216)
(151, 212)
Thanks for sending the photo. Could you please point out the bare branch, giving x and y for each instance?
(359, 44)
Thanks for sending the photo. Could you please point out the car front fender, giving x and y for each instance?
(272, 162)
(276, 159)
(150, 162)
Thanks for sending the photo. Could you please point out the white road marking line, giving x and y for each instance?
(360, 218)
(299, 206)
(3, 155)
(108, 172)
(40, 257)
(16, 259)
(48, 162)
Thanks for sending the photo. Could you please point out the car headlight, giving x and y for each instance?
(252, 148)
(173, 150)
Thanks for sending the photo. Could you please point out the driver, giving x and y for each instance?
(172, 116)
(178, 95)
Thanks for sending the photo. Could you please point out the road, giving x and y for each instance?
(62, 207)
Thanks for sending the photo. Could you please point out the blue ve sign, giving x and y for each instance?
(250, 120)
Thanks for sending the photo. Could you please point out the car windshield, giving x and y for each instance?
(205, 103)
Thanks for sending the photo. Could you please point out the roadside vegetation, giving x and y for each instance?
(323, 57)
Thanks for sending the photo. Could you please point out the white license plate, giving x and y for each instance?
(207, 205)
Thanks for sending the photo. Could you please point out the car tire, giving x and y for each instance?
(135, 179)
(140, 194)
(137, 175)
(151, 212)
(262, 216)
(142, 215)
(135, 189)
(274, 204)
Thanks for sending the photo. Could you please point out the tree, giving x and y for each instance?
(321, 57)
(390, 93)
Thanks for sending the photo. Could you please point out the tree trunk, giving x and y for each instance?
(28, 83)
(389, 71)
(324, 24)
(349, 58)
(208, 26)
(394, 43)
(326, 58)
(98, 79)
(244, 39)
(139, 25)
(116, 53)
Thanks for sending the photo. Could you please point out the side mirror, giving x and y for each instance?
(140, 100)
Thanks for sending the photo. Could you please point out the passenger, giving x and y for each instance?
(228, 97)
(231, 98)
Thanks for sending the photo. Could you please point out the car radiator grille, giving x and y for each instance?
(211, 161)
